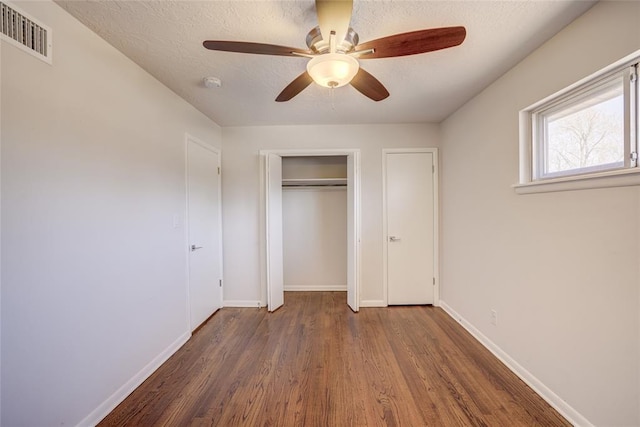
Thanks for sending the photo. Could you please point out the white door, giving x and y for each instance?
(353, 298)
(410, 227)
(204, 228)
(275, 257)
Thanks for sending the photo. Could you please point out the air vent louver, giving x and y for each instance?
(23, 31)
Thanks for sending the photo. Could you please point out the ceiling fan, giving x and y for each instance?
(334, 51)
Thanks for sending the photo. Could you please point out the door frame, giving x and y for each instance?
(436, 220)
(190, 138)
(264, 256)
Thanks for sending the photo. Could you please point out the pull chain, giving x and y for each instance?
(333, 98)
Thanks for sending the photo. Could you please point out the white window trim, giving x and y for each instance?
(629, 176)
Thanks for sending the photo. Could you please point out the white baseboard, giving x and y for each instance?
(244, 303)
(330, 288)
(372, 303)
(127, 388)
(573, 416)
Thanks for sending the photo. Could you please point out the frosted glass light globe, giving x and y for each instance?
(333, 69)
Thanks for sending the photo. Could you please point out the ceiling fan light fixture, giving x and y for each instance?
(333, 69)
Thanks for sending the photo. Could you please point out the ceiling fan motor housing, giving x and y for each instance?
(318, 45)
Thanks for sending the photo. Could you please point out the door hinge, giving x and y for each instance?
(220, 281)
(434, 281)
(218, 170)
(433, 168)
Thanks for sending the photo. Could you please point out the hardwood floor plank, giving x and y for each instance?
(315, 363)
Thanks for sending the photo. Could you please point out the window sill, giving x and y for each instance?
(625, 178)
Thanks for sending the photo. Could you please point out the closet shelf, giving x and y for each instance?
(314, 182)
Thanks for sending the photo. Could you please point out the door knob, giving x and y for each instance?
(394, 239)
(194, 247)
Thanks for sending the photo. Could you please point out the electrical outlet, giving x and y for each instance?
(494, 317)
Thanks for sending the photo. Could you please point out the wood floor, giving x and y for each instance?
(315, 363)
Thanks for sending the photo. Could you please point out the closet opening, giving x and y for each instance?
(311, 220)
(314, 223)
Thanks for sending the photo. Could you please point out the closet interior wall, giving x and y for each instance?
(314, 213)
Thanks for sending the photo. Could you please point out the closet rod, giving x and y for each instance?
(315, 182)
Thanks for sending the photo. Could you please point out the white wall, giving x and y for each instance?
(295, 167)
(561, 269)
(314, 237)
(93, 272)
(241, 194)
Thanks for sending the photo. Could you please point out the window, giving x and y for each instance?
(584, 132)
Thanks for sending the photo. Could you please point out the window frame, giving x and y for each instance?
(533, 177)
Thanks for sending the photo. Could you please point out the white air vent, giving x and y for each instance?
(26, 33)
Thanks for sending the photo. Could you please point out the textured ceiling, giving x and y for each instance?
(165, 38)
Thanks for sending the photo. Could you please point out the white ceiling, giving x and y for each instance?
(165, 38)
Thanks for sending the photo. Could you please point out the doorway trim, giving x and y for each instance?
(436, 220)
(263, 210)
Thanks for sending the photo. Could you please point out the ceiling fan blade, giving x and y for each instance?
(412, 43)
(295, 87)
(257, 48)
(334, 15)
(369, 86)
